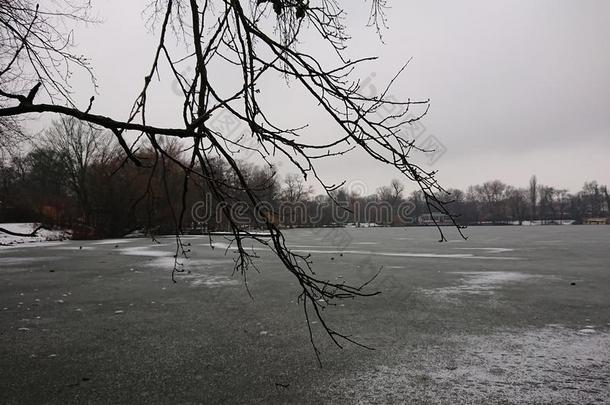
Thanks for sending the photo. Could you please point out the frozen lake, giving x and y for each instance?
(517, 314)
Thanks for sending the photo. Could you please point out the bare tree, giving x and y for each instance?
(547, 210)
(562, 200)
(250, 40)
(397, 189)
(492, 193)
(390, 197)
(517, 203)
(12, 136)
(294, 189)
(533, 195)
(606, 207)
(34, 54)
(79, 146)
(384, 193)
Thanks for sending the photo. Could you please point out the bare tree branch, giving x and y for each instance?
(251, 40)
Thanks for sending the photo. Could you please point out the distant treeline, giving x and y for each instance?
(75, 176)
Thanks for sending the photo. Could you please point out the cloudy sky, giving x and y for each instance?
(516, 87)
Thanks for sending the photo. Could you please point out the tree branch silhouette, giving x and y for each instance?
(252, 39)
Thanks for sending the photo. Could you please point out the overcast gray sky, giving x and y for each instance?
(516, 87)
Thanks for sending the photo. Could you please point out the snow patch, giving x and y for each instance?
(407, 254)
(478, 282)
(194, 271)
(42, 234)
(144, 251)
(219, 245)
(73, 248)
(23, 261)
(187, 264)
(211, 281)
(488, 249)
(113, 241)
(30, 244)
(525, 366)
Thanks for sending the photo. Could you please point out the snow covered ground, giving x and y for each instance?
(43, 234)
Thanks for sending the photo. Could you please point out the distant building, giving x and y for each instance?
(435, 219)
(595, 221)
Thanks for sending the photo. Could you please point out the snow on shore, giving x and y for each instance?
(43, 235)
